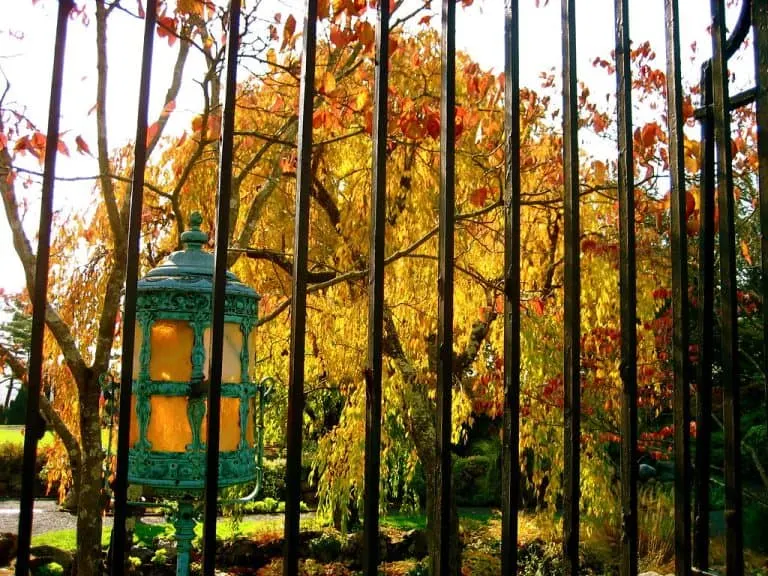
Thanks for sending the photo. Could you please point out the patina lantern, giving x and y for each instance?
(170, 376)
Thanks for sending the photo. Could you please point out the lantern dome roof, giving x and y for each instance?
(191, 269)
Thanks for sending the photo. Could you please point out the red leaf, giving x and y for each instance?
(82, 147)
(537, 304)
(479, 196)
(142, 14)
(152, 132)
(62, 148)
(3, 141)
(166, 28)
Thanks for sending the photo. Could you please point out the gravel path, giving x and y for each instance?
(48, 518)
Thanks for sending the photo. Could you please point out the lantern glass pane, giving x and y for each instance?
(138, 340)
(233, 346)
(171, 351)
(169, 429)
(229, 438)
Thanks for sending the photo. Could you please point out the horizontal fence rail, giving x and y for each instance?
(698, 327)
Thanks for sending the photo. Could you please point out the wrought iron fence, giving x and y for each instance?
(691, 550)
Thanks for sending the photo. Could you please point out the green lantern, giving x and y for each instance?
(170, 376)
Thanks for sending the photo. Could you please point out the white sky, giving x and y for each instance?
(27, 64)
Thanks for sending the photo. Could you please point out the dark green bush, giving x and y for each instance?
(50, 569)
(477, 481)
(273, 480)
(11, 464)
(325, 548)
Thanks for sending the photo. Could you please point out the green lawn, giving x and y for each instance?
(15, 435)
(144, 534)
(470, 516)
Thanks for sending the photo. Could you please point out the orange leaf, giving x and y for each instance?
(339, 37)
(288, 31)
(62, 148)
(38, 141)
(152, 132)
(323, 9)
(366, 34)
(22, 144)
(498, 304)
(3, 141)
(537, 304)
(479, 196)
(745, 252)
(82, 147)
(690, 204)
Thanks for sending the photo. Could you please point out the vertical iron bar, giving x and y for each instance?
(728, 308)
(376, 297)
(705, 323)
(219, 293)
(511, 450)
(119, 544)
(299, 306)
(679, 255)
(40, 296)
(760, 42)
(628, 294)
(572, 287)
(445, 285)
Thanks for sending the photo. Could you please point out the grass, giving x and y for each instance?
(15, 435)
(468, 516)
(145, 534)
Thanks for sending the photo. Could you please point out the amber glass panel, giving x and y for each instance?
(230, 425)
(168, 429)
(233, 344)
(171, 351)
(138, 339)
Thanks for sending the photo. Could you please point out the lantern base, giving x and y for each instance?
(183, 473)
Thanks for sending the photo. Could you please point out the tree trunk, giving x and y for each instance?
(89, 497)
(432, 539)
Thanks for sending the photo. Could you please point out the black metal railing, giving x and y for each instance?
(714, 116)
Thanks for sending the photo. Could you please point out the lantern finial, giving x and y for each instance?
(194, 238)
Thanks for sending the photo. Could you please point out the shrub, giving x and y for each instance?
(50, 569)
(270, 505)
(11, 464)
(160, 557)
(325, 548)
(273, 479)
(477, 480)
